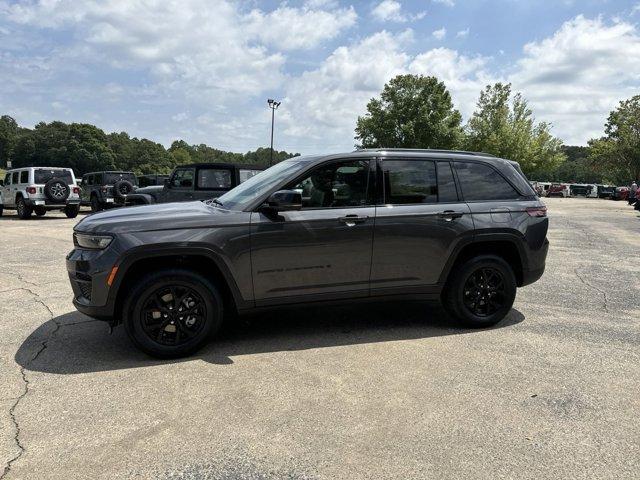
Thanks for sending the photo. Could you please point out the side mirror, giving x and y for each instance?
(1, 183)
(285, 201)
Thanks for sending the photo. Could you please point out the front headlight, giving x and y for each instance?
(92, 242)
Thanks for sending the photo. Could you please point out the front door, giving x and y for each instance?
(418, 226)
(6, 191)
(180, 188)
(323, 250)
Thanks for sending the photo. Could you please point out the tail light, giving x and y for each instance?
(31, 190)
(537, 211)
(104, 189)
(76, 190)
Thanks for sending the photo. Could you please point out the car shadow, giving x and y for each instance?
(73, 344)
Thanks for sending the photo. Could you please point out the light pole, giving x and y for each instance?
(273, 105)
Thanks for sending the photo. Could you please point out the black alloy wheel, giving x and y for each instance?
(24, 211)
(480, 291)
(173, 315)
(484, 292)
(172, 312)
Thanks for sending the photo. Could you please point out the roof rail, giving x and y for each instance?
(425, 150)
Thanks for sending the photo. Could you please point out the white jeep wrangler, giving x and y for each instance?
(38, 189)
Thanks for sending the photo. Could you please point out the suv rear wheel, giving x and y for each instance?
(71, 211)
(95, 204)
(24, 210)
(172, 313)
(40, 211)
(481, 291)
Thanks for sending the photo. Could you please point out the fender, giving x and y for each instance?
(512, 236)
(171, 250)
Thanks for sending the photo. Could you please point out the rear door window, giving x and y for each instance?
(214, 179)
(24, 176)
(410, 181)
(482, 183)
(15, 177)
(112, 178)
(246, 174)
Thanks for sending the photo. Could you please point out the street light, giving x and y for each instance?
(273, 105)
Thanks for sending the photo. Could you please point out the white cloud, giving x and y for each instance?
(463, 33)
(576, 76)
(439, 34)
(448, 3)
(292, 28)
(391, 11)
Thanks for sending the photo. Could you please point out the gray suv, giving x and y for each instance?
(466, 228)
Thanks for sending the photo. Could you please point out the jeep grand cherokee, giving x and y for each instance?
(462, 227)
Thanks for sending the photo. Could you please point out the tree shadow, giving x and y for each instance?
(72, 343)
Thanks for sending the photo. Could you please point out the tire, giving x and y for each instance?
(57, 190)
(71, 211)
(122, 188)
(40, 211)
(95, 204)
(150, 296)
(1, 209)
(24, 210)
(460, 290)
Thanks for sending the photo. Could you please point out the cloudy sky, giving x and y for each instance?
(202, 70)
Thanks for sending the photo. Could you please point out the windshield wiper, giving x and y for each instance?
(216, 201)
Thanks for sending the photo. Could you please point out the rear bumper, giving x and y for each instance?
(535, 265)
(48, 204)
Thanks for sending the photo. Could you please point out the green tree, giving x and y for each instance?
(505, 127)
(8, 137)
(619, 151)
(413, 111)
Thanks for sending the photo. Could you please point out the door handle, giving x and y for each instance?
(351, 220)
(449, 215)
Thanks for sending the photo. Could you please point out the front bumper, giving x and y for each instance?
(88, 272)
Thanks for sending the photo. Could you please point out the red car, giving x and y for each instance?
(621, 193)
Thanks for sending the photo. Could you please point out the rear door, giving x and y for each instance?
(323, 250)
(211, 182)
(418, 225)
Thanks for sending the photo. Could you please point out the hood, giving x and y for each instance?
(162, 216)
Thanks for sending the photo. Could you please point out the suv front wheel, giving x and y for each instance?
(172, 313)
(24, 210)
(480, 291)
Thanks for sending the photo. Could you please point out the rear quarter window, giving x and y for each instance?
(481, 182)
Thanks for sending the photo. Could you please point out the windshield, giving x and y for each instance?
(43, 176)
(112, 178)
(247, 192)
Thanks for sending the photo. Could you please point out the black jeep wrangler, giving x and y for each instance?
(198, 181)
(465, 228)
(102, 190)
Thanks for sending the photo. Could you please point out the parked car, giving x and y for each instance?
(606, 191)
(559, 190)
(151, 180)
(200, 181)
(465, 228)
(102, 190)
(38, 190)
(621, 193)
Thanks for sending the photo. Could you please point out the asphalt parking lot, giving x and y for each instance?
(389, 391)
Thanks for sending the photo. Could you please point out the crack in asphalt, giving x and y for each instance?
(605, 302)
(26, 384)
